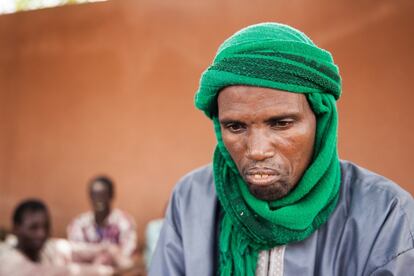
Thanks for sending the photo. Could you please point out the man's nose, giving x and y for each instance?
(259, 146)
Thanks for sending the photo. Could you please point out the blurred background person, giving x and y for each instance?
(104, 225)
(152, 233)
(33, 253)
(31, 225)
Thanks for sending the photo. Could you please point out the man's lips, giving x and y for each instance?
(261, 177)
(38, 242)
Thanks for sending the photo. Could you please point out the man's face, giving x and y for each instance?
(270, 136)
(33, 231)
(100, 197)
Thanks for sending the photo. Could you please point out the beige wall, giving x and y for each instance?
(108, 88)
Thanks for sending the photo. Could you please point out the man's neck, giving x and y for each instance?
(100, 217)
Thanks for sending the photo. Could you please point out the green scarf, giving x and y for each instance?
(274, 56)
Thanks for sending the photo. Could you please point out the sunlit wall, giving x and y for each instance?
(108, 88)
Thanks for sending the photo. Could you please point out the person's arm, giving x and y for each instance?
(16, 264)
(100, 254)
(86, 252)
(74, 231)
(86, 270)
(72, 270)
(402, 264)
(128, 236)
(392, 252)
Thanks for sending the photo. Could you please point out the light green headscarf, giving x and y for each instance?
(274, 56)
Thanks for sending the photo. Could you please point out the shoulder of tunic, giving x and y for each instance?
(195, 181)
(362, 184)
(380, 207)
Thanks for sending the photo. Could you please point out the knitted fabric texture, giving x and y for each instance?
(274, 56)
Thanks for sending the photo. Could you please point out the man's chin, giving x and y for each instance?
(269, 192)
(36, 247)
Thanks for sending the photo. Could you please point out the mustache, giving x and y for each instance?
(263, 166)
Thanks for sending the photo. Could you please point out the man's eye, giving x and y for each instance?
(281, 124)
(235, 127)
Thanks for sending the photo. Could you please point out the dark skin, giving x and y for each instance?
(270, 136)
(32, 233)
(101, 202)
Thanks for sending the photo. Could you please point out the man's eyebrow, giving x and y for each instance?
(227, 121)
(292, 115)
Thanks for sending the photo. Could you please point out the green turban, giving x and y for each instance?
(280, 57)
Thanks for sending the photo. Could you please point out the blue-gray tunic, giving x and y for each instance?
(369, 233)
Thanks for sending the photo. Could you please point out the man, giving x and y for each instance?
(31, 225)
(104, 225)
(152, 233)
(34, 253)
(277, 200)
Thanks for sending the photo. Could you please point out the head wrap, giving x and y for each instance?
(280, 57)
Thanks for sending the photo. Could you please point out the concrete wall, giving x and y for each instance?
(108, 88)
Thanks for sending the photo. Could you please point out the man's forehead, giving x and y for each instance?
(98, 186)
(31, 216)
